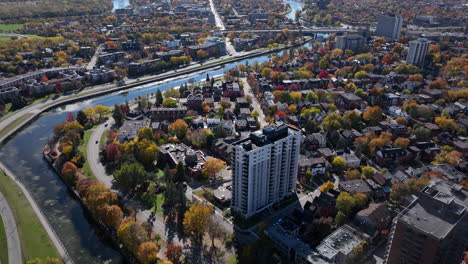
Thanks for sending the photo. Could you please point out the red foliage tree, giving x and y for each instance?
(387, 59)
(173, 253)
(281, 114)
(113, 152)
(323, 74)
(280, 88)
(70, 117)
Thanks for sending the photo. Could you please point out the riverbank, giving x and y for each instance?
(19, 123)
(36, 240)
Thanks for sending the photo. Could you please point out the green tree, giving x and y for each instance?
(180, 173)
(118, 115)
(81, 118)
(130, 175)
(159, 98)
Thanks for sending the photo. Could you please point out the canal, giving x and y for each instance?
(22, 155)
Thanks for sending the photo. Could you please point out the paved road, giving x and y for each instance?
(93, 60)
(11, 230)
(255, 104)
(13, 35)
(52, 235)
(219, 23)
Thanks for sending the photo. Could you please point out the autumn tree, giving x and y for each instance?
(174, 253)
(387, 59)
(352, 174)
(213, 166)
(196, 220)
(367, 171)
(147, 253)
(112, 152)
(69, 171)
(373, 115)
(131, 235)
(113, 216)
(201, 54)
(332, 121)
(179, 128)
(446, 124)
(339, 164)
(401, 142)
(327, 186)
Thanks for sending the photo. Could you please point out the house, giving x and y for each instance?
(355, 186)
(129, 129)
(325, 203)
(373, 219)
(327, 154)
(448, 171)
(391, 156)
(315, 141)
(351, 160)
(162, 113)
(317, 166)
(349, 101)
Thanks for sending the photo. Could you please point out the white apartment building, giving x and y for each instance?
(389, 26)
(264, 168)
(417, 51)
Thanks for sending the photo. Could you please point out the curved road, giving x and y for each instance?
(11, 230)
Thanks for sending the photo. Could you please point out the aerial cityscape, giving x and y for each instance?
(233, 131)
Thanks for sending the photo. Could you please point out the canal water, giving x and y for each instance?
(295, 5)
(22, 155)
(119, 4)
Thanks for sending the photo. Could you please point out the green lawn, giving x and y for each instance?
(232, 259)
(159, 203)
(83, 149)
(3, 244)
(4, 38)
(34, 239)
(104, 137)
(10, 27)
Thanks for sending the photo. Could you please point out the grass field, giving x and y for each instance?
(8, 28)
(14, 124)
(83, 149)
(159, 203)
(3, 244)
(34, 239)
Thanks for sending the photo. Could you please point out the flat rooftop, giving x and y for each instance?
(342, 240)
(266, 136)
(438, 209)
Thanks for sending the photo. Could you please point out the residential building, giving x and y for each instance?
(433, 228)
(389, 26)
(265, 168)
(168, 113)
(191, 159)
(337, 246)
(374, 218)
(316, 166)
(351, 42)
(417, 51)
(355, 186)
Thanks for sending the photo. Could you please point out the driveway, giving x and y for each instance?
(11, 230)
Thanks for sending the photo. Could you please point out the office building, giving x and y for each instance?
(433, 228)
(264, 168)
(351, 42)
(389, 26)
(417, 51)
